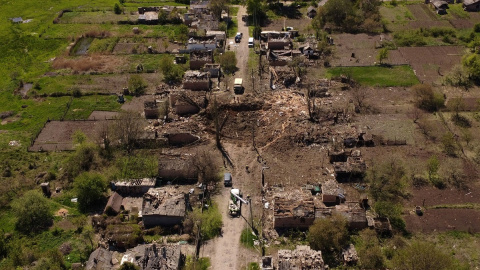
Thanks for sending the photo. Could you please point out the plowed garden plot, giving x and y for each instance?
(461, 23)
(444, 220)
(57, 135)
(364, 48)
(432, 63)
(421, 12)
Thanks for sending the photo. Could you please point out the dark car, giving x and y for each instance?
(227, 179)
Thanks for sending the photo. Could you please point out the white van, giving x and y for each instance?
(250, 42)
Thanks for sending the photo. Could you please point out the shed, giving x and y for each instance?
(471, 5)
(311, 12)
(114, 204)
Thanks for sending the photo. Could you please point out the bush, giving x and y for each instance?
(33, 212)
(426, 98)
(117, 9)
(81, 160)
(423, 256)
(247, 238)
(448, 143)
(171, 73)
(136, 85)
(476, 28)
(210, 221)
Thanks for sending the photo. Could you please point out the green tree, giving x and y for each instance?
(90, 189)
(329, 235)
(117, 9)
(256, 9)
(472, 64)
(422, 256)
(426, 98)
(128, 266)
(382, 55)
(33, 212)
(338, 12)
(369, 251)
(228, 61)
(171, 73)
(217, 6)
(137, 85)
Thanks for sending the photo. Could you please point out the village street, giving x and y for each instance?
(226, 252)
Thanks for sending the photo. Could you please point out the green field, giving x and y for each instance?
(377, 75)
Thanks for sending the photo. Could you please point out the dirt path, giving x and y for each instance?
(241, 49)
(226, 252)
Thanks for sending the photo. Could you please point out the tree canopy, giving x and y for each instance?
(422, 256)
(90, 188)
(33, 212)
(329, 235)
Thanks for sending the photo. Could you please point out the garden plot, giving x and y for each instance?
(57, 135)
(158, 45)
(362, 50)
(97, 17)
(431, 64)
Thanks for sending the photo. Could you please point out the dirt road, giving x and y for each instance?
(241, 49)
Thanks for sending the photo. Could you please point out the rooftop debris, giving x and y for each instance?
(163, 206)
(301, 258)
(154, 256)
(133, 186)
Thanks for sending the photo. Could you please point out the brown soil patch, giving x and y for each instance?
(62, 212)
(365, 47)
(462, 23)
(444, 220)
(431, 64)
(97, 63)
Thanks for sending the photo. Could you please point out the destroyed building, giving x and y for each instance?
(354, 214)
(199, 43)
(198, 59)
(163, 207)
(133, 187)
(331, 192)
(295, 210)
(100, 259)
(177, 169)
(301, 258)
(220, 35)
(148, 15)
(187, 102)
(114, 204)
(282, 76)
(154, 256)
(196, 80)
(276, 40)
(213, 69)
(351, 170)
(150, 109)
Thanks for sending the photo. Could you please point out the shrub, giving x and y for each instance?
(33, 212)
(247, 238)
(136, 85)
(476, 28)
(448, 143)
(228, 61)
(423, 256)
(117, 9)
(426, 98)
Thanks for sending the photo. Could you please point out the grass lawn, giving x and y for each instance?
(377, 75)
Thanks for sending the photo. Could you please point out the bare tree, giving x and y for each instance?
(207, 165)
(127, 129)
(360, 98)
(416, 114)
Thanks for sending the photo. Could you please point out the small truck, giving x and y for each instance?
(235, 202)
(238, 86)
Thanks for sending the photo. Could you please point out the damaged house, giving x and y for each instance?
(293, 211)
(133, 187)
(214, 70)
(202, 43)
(301, 258)
(187, 102)
(198, 59)
(282, 76)
(276, 40)
(148, 15)
(177, 169)
(352, 169)
(114, 204)
(150, 108)
(163, 207)
(196, 80)
(154, 256)
(471, 5)
(332, 193)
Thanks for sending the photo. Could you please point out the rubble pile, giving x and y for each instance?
(301, 258)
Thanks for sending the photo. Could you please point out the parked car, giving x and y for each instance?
(238, 37)
(227, 179)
